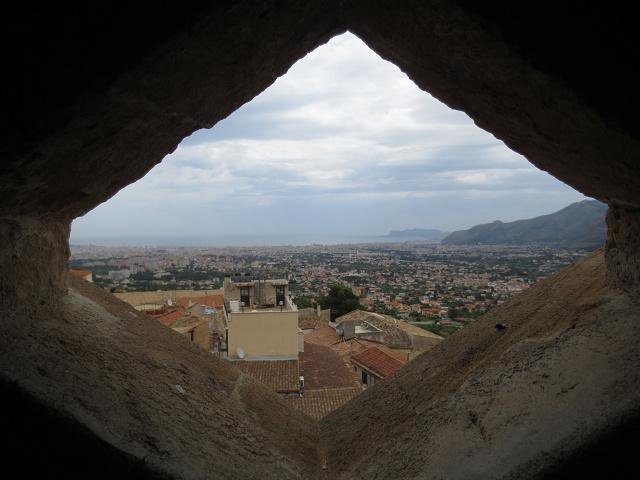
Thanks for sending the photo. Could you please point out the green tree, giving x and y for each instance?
(303, 302)
(341, 300)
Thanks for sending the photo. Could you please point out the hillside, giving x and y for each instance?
(580, 225)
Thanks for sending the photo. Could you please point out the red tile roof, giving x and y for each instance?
(169, 318)
(327, 336)
(378, 362)
(208, 300)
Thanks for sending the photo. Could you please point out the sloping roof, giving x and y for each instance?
(216, 301)
(319, 403)
(185, 324)
(170, 317)
(323, 367)
(354, 315)
(378, 362)
(397, 333)
(327, 336)
(279, 375)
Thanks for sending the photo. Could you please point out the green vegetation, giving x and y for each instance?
(443, 331)
(387, 311)
(341, 300)
(304, 301)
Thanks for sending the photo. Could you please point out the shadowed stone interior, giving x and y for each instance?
(623, 248)
(94, 97)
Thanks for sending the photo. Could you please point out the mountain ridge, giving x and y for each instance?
(579, 225)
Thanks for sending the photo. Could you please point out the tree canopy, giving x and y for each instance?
(341, 300)
(304, 301)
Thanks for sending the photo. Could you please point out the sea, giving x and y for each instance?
(223, 241)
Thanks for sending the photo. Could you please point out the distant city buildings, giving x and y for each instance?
(411, 297)
(436, 287)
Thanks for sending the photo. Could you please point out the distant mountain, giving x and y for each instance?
(415, 234)
(580, 225)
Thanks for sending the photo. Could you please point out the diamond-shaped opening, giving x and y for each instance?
(343, 131)
(247, 426)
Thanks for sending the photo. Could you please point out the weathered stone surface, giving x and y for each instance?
(141, 398)
(33, 263)
(623, 248)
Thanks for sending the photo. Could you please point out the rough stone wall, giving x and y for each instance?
(622, 251)
(93, 99)
(152, 400)
(33, 263)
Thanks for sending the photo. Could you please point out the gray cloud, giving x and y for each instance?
(344, 143)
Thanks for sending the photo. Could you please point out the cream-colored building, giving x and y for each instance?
(261, 320)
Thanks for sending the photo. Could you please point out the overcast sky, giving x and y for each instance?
(342, 145)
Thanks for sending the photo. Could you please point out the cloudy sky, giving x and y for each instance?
(343, 145)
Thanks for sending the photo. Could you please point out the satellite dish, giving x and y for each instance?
(241, 353)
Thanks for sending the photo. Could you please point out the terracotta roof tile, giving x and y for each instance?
(319, 403)
(281, 376)
(328, 337)
(378, 362)
(169, 318)
(322, 367)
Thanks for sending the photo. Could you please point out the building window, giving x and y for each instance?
(244, 296)
(279, 294)
(365, 377)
